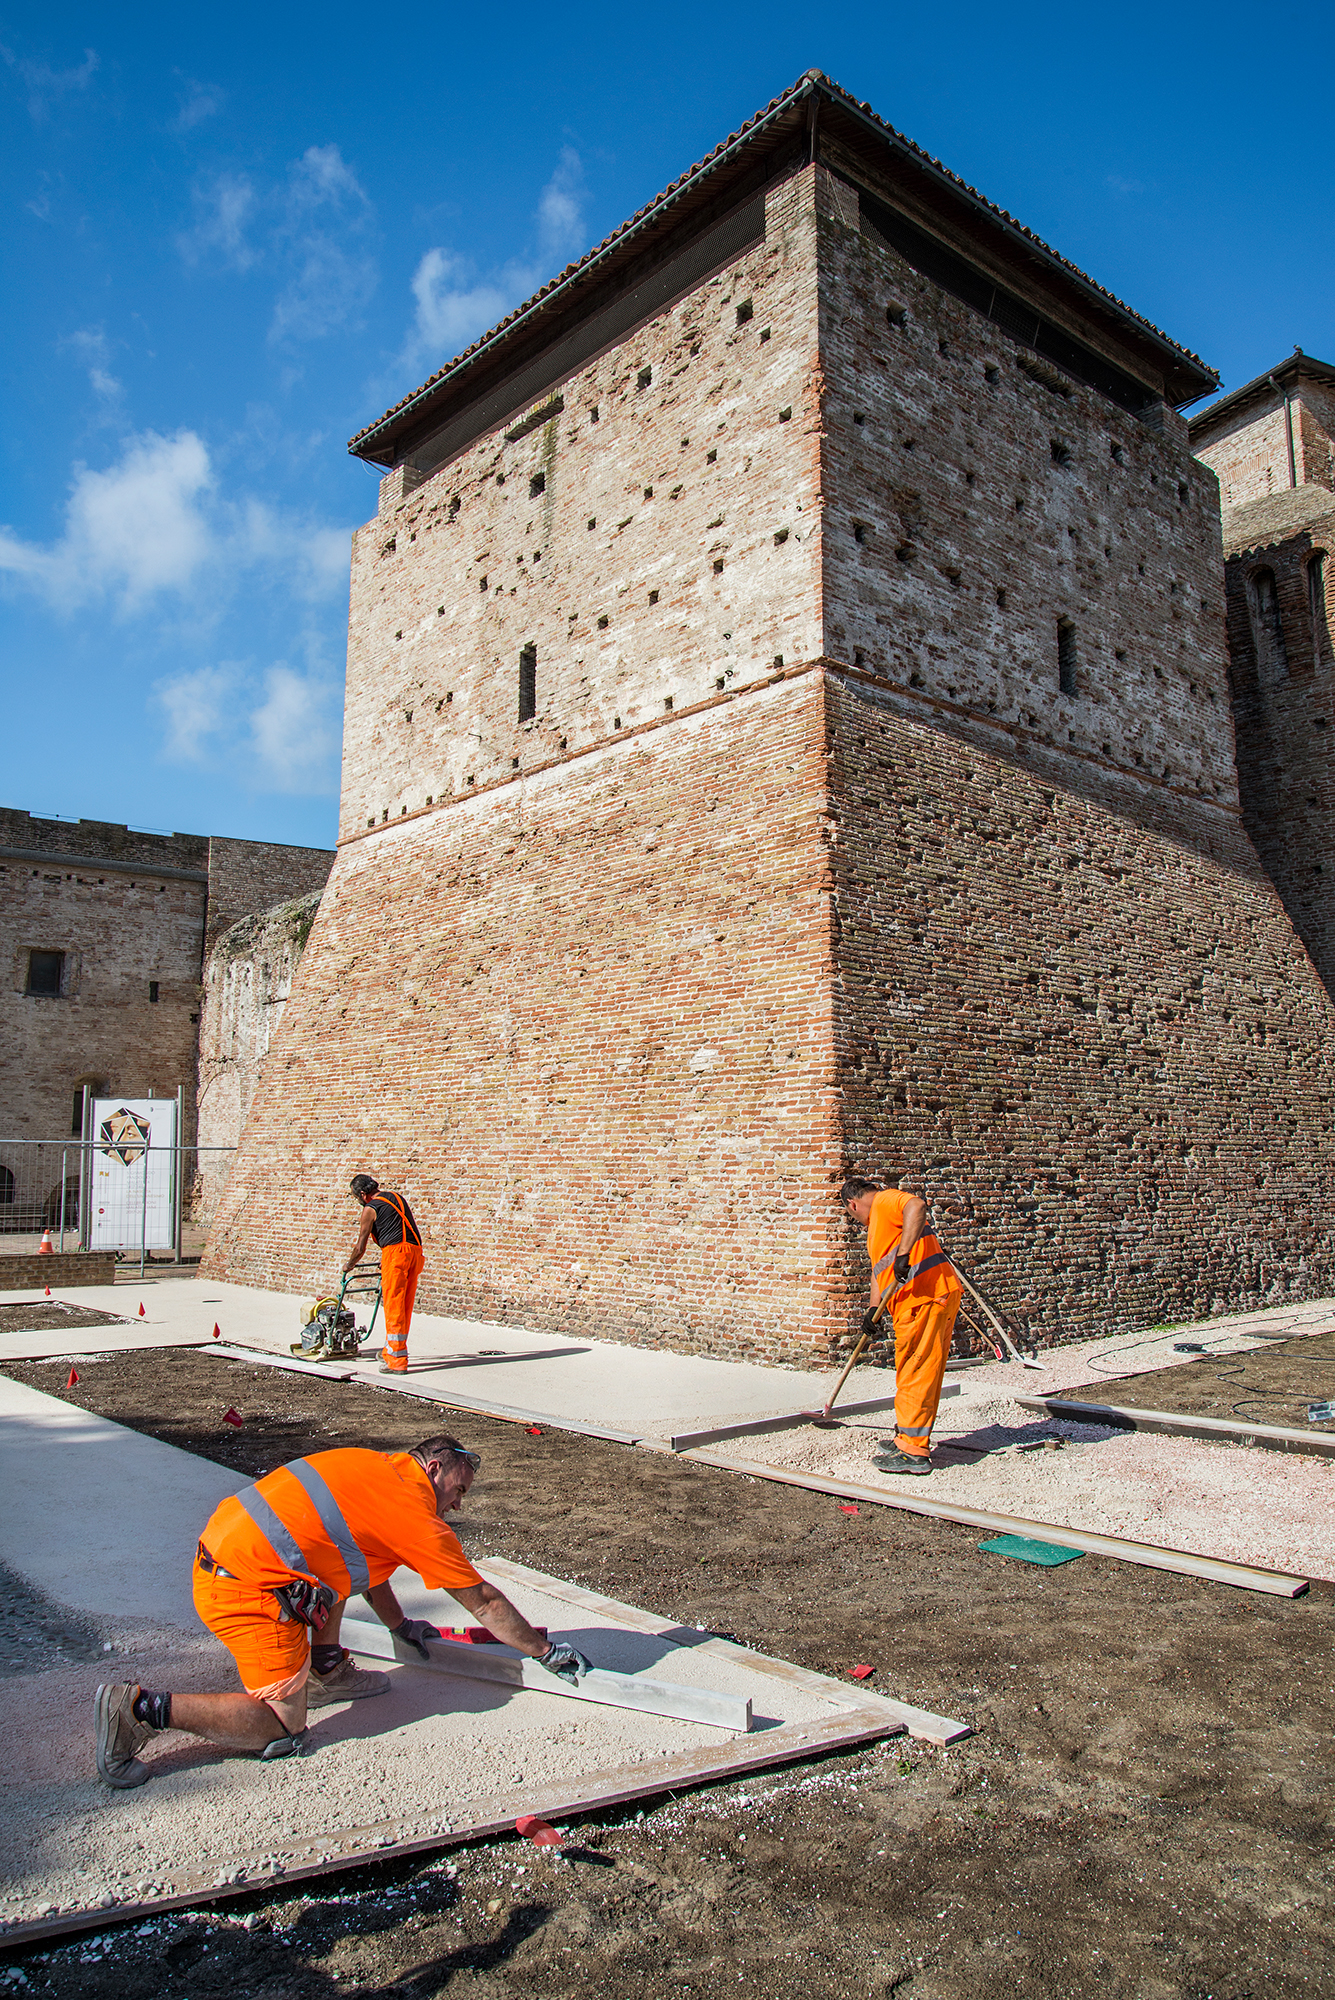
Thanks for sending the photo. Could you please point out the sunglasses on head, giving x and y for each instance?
(473, 1458)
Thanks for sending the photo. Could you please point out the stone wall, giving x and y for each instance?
(1072, 1011)
(1281, 614)
(247, 979)
(1247, 444)
(246, 876)
(584, 1024)
(978, 500)
(656, 543)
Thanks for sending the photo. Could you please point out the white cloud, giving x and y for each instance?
(1121, 186)
(295, 731)
(197, 102)
(224, 209)
(454, 305)
(327, 213)
(198, 708)
(90, 344)
(45, 84)
(277, 730)
(155, 523)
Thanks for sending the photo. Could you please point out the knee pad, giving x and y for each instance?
(284, 1746)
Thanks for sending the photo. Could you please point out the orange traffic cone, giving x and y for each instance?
(46, 1248)
(217, 1331)
(141, 1309)
(72, 1378)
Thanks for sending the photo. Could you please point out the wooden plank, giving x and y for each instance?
(1178, 1423)
(794, 1420)
(917, 1722)
(502, 1667)
(332, 1372)
(1210, 1569)
(386, 1840)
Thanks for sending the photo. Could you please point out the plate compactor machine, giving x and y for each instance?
(329, 1330)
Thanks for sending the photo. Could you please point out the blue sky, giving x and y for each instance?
(233, 236)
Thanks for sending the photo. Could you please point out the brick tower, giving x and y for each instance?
(788, 729)
(1272, 444)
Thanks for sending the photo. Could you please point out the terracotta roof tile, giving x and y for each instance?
(812, 81)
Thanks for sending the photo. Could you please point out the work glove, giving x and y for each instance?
(567, 1661)
(415, 1632)
(902, 1267)
(871, 1326)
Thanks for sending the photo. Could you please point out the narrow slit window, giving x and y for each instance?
(1067, 657)
(1316, 601)
(45, 970)
(153, 990)
(528, 683)
(1271, 653)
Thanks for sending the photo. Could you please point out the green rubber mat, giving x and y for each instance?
(1026, 1550)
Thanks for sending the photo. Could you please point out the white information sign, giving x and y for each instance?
(133, 1180)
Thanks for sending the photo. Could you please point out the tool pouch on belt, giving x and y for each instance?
(310, 1603)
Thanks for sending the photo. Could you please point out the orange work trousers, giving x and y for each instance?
(400, 1268)
(923, 1331)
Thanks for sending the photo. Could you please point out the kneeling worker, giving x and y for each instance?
(906, 1256)
(272, 1573)
(389, 1219)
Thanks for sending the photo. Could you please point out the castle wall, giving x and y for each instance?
(583, 1022)
(956, 542)
(1077, 1018)
(671, 553)
(247, 980)
(125, 1017)
(1284, 697)
(1249, 447)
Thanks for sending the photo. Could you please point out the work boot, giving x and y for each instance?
(119, 1736)
(392, 1368)
(343, 1683)
(902, 1461)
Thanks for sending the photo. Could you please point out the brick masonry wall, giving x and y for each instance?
(673, 550)
(955, 542)
(584, 1024)
(247, 980)
(1285, 706)
(247, 876)
(118, 932)
(1077, 1018)
(34, 1274)
(1249, 449)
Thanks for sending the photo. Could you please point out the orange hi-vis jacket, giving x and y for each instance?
(931, 1275)
(347, 1518)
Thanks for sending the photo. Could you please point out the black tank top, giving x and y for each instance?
(391, 1214)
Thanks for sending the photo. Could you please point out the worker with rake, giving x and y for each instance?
(389, 1219)
(273, 1570)
(913, 1284)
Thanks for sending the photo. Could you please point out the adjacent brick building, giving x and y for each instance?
(1272, 444)
(788, 729)
(103, 936)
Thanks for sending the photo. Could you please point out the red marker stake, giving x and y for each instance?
(533, 1430)
(845, 1508)
(538, 1831)
(234, 1418)
(141, 1309)
(72, 1378)
(861, 1673)
(217, 1331)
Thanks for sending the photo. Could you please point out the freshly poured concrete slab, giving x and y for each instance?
(630, 1391)
(98, 1517)
(106, 1521)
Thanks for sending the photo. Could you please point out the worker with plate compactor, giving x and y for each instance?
(273, 1570)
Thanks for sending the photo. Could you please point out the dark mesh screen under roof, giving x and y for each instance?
(954, 275)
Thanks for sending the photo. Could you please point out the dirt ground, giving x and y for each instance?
(1144, 1810)
(1274, 1384)
(50, 1315)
